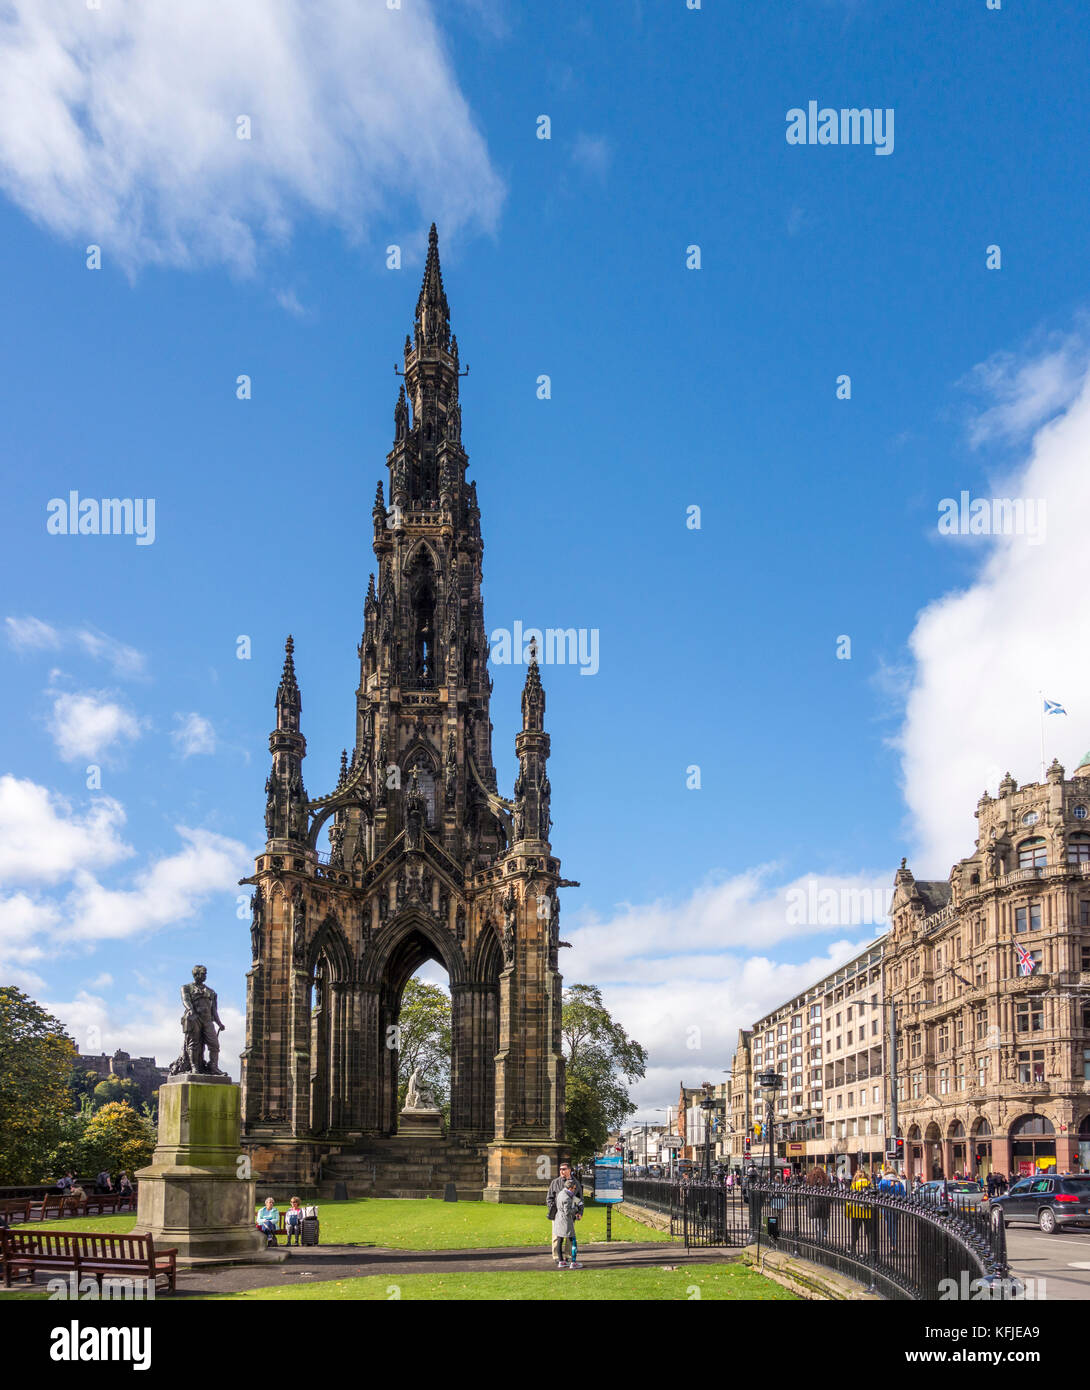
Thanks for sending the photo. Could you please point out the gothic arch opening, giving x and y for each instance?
(410, 944)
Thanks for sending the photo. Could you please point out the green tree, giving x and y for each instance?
(117, 1137)
(36, 1056)
(117, 1088)
(82, 1083)
(602, 1062)
(424, 1040)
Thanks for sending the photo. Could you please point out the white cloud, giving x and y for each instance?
(125, 660)
(194, 734)
(133, 142)
(89, 724)
(168, 891)
(31, 634)
(982, 654)
(42, 840)
(1024, 391)
(683, 977)
(142, 1026)
(593, 154)
(22, 918)
(289, 302)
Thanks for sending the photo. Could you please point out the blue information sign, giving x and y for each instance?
(609, 1178)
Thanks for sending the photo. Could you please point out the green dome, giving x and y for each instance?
(1085, 761)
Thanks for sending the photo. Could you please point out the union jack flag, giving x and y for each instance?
(1026, 963)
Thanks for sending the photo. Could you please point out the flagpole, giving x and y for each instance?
(1041, 716)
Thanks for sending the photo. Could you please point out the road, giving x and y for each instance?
(1055, 1259)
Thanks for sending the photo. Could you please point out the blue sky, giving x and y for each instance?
(671, 388)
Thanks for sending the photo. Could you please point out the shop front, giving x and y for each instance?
(1033, 1145)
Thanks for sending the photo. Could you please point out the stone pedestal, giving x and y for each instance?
(193, 1197)
(420, 1124)
(521, 1172)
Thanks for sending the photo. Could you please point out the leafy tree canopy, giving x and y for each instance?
(36, 1056)
(602, 1062)
(424, 1040)
(117, 1138)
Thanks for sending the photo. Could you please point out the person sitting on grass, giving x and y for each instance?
(268, 1219)
(293, 1221)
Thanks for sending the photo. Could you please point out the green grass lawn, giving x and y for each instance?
(719, 1283)
(428, 1225)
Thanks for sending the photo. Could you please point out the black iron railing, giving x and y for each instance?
(902, 1247)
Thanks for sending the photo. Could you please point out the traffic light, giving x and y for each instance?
(899, 1148)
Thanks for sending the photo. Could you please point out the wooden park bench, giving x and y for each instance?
(15, 1209)
(97, 1204)
(24, 1252)
(51, 1208)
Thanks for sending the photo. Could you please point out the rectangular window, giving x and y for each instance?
(1084, 963)
(982, 1072)
(980, 974)
(840, 1101)
(959, 1031)
(1033, 854)
(876, 1095)
(980, 1023)
(1086, 1064)
(1031, 1066)
(917, 1085)
(944, 1037)
(1084, 912)
(1029, 1016)
(944, 1081)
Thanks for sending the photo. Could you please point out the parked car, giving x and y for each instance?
(965, 1192)
(1048, 1202)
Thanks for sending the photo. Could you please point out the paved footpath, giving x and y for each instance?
(325, 1262)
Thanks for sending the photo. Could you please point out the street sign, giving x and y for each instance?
(609, 1179)
(891, 1155)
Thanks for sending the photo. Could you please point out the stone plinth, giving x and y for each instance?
(420, 1124)
(515, 1170)
(191, 1196)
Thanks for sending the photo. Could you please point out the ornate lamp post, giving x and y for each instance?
(770, 1082)
(707, 1105)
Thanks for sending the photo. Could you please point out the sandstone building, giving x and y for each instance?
(994, 1063)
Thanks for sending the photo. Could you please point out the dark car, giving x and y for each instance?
(960, 1193)
(1048, 1202)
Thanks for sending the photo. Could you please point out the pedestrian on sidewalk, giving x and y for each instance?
(557, 1186)
(564, 1224)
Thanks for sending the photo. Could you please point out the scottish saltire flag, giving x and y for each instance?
(1051, 707)
(1026, 962)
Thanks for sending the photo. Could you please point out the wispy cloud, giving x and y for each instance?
(35, 635)
(193, 735)
(1020, 392)
(352, 111)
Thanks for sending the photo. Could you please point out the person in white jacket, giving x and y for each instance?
(564, 1225)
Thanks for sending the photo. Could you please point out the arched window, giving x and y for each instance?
(1078, 849)
(1031, 1124)
(1033, 853)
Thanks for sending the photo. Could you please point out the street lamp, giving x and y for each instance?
(708, 1105)
(770, 1082)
